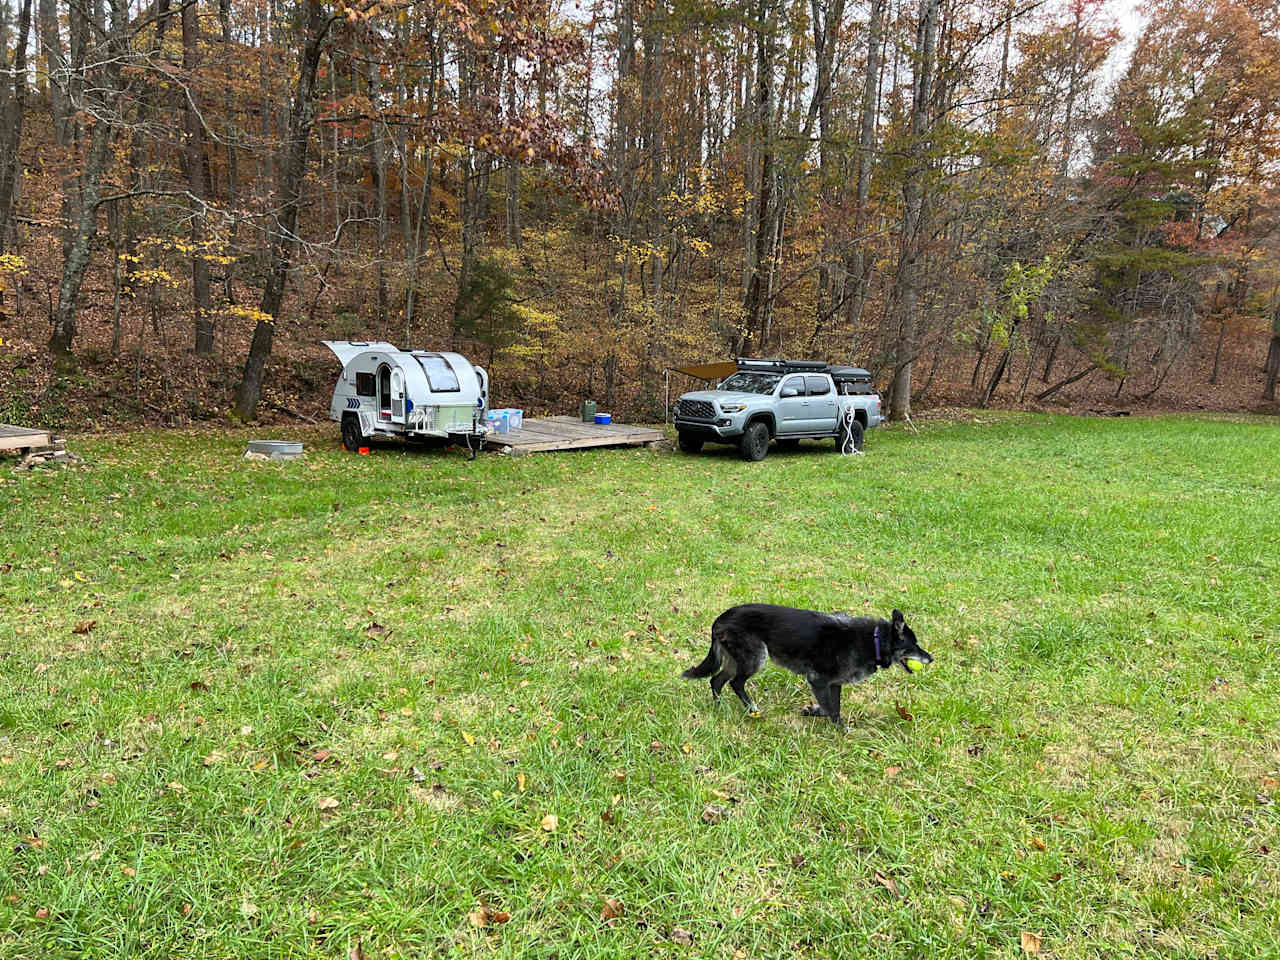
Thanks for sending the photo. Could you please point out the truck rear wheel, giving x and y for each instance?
(850, 437)
(352, 436)
(690, 443)
(754, 443)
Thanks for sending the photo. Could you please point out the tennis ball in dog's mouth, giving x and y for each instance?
(914, 665)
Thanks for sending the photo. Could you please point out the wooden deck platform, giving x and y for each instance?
(22, 438)
(569, 433)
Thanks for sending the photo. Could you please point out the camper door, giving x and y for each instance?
(391, 394)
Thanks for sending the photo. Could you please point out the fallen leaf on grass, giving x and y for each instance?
(681, 936)
(468, 739)
(902, 712)
(356, 952)
(1037, 843)
(1269, 784)
(611, 911)
(887, 882)
(199, 686)
(42, 913)
(215, 756)
(187, 908)
(249, 908)
(378, 630)
(713, 813)
(550, 822)
(483, 916)
(84, 626)
(520, 782)
(1030, 942)
(129, 871)
(891, 772)
(328, 803)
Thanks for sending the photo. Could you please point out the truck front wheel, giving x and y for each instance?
(754, 444)
(352, 435)
(689, 443)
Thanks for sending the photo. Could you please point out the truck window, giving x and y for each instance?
(747, 382)
(818, 386)
(366, 385)
(440, 376)
(793, 383)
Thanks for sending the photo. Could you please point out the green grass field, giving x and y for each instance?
(409, 706)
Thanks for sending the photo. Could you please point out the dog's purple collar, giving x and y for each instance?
(877, 639)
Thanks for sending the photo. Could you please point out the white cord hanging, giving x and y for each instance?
(844, 433)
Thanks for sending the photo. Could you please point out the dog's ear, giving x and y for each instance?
(899, 621)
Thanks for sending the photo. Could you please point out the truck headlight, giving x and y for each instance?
(732, 407)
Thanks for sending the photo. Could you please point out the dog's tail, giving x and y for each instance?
(707, 667)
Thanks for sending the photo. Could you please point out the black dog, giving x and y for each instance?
(827, 649)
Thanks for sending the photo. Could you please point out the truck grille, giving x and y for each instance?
(696, 410)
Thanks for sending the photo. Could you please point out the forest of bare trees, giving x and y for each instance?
(992, 202)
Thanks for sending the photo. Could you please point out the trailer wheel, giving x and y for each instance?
(352, 436)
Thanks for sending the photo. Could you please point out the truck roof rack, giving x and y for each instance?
(838, 372)
(779, 365)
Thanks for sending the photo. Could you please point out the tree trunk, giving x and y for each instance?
(998, 374)
(825, 30)
(513, 165)
(80, 249)
(1273, 356)
(913, 213)
(57, 72)
(1045, 394)
(759, 277)
(378, 150)
(233, 155)
(1273, 368)
(83, 227)
(859, 267)
(202, 305)
(424, 203)
(11, 135)
(1217, 353)
(283, 230)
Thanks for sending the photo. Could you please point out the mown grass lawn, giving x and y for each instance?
(353, 706)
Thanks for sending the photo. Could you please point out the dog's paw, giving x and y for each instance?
(813, 710)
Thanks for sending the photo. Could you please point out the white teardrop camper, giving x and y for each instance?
(387, 392)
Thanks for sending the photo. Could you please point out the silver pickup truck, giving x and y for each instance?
(783, 400)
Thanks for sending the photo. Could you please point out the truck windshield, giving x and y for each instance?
(440, 376)
(751, 382)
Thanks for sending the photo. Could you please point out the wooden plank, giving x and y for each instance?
(569, 433)
(19, 438)
(573, 423)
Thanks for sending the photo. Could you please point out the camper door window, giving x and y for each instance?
(366, 385)
(440, 376)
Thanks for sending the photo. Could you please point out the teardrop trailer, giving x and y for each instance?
(412, 394)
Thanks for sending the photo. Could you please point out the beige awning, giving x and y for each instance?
(707, 371)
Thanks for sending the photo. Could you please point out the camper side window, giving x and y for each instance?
(366, 385)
